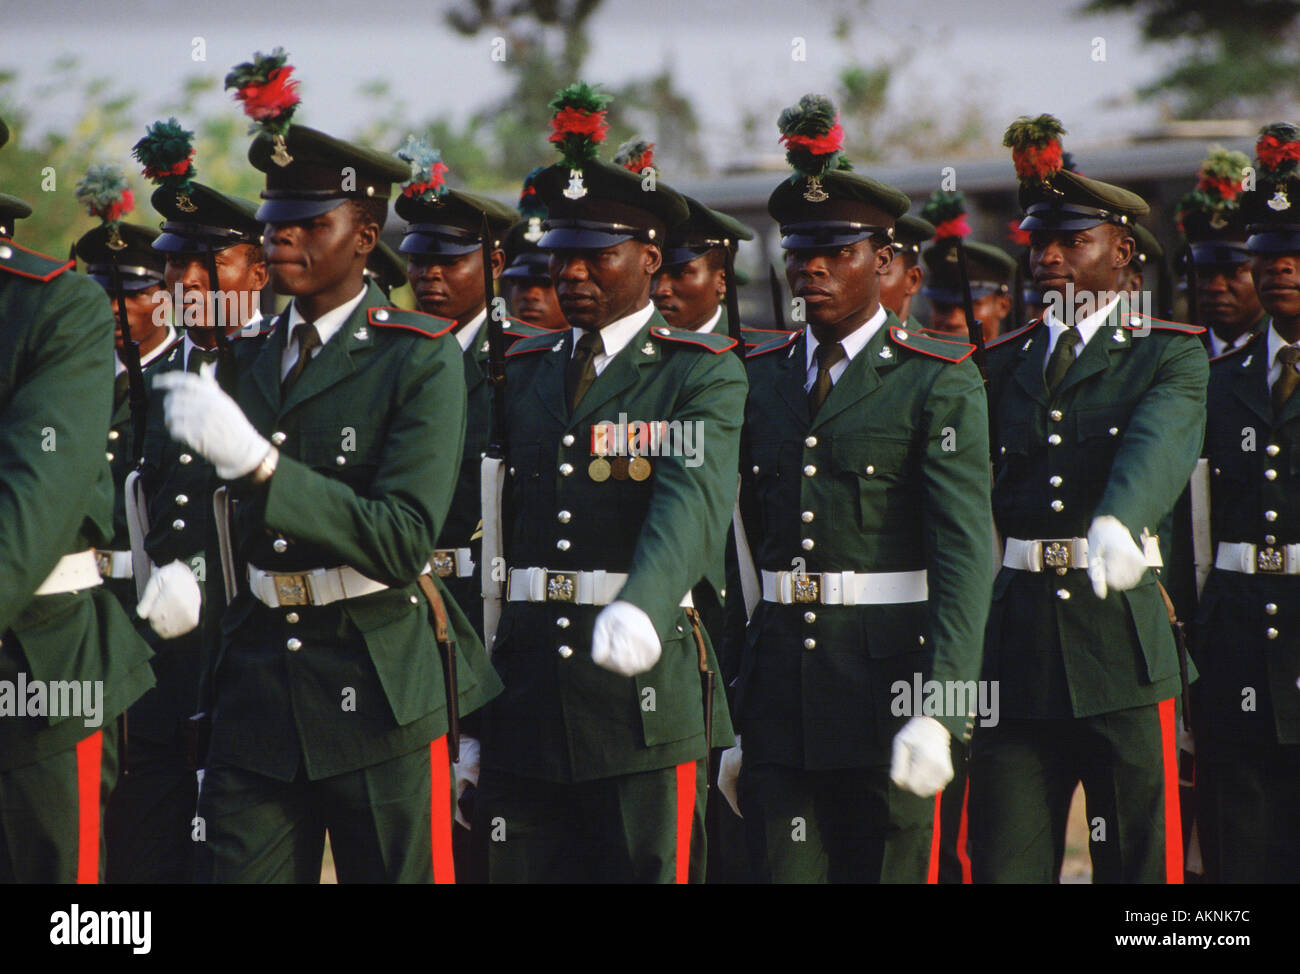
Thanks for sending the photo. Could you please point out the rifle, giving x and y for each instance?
(137, 395)
(1193, 302)
(974, 328)
(225, 354)
(733, 305)
(778, 300)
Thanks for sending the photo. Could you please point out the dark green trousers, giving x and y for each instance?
(954, 858)
(382, 821)
(635, 828)
(51, 813)
(148, 822)
(846, 826)
(1248, 810)
(1023, 774)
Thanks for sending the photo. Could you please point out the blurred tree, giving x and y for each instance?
(1243, 57)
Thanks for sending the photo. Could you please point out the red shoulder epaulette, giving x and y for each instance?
(1135, 321)
(538, 343)
(929, 345)
(430, 326)
(17, 259)
(1240, 348)
(774, 344)
(1013, 334)
(717, 344)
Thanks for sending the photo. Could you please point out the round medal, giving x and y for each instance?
(598, 469)
(639, 468)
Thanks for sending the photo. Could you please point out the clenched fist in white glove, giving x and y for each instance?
(729, 775)
(171, 600)
(624, 639)
(200, 414)
(466, 772)
(1114, 558)
(922, 760)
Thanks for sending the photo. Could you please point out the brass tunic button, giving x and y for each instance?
(756, 470)
(340, 460)
(178, 525)
(810, 441)
(806, 517)
(807, 544)
(6, 251)
(1270, 633)
(1055, 480)
(1056, 415)
(293, 645)
(277, 438)
(810, 644)
(565, 652)
(870, 470)
(381, 315)
(1058, 505)
(1272, 449)
(1113, 431)
(1271, 608)
(414, 600)
(1054, 439)
(113, 434)
(1270, 474)
(291, 618)
(809, 470)
(182, 499)
(564, 517)
(1063, 594)
(280, 546)
(109, 456)
(1270, 515)
(568, 439)
(810, 617)
(563, 544)
(566, 469)
(185, 458)
(1270, 539)
(562, 622)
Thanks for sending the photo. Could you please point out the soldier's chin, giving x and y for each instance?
(289, 279)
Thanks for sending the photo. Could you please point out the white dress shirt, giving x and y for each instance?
(467, 332)
(1087, 328)
(615, 336)
(712, 323)
(1219, 347)
(327, 325)
(1275, 344)
(853, 343)
(149, 356)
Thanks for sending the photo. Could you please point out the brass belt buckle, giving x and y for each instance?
(292, 589)
(443, 563)
(104, 562)
(1056, 555)
(805, 588)
(1269, 560)
(561, 586)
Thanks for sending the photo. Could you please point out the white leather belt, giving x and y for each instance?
(575, 588)
(72, 573)
(1251, 559)
(845, 588)
(114, 564)
(447, 562)
(318, 586)
(1037, 556)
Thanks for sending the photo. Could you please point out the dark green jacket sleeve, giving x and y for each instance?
(692, 505)
(1162, 441)
(958, 519)
(389, 534)
(53, 428)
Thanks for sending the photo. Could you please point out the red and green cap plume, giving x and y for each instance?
(1035, 145)
(636, 155)
(530, 204)
(428, 172)
(167, 154)
(104, 193)
(947, 211)
(812, 136)
(578, 125)
(1277, 151)
(264, 87)
(1016, 235)
(1218, 186)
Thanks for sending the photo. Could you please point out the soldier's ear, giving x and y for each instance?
(1124, 245)
(884, 256)
(914, 278)
(498, 262)
(653, 258)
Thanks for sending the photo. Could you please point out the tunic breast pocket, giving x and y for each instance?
(878, 467)
(348, 451)
(765, 472)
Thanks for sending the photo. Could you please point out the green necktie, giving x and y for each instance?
(581, 372)
(827, 356)
(1289, 356)
(308, 338)
(1062, 357)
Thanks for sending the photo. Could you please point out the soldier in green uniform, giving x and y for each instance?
(1247, 709)
(865, 499)
(990, 269)
(1096, 413)
(141, 272)
(1227, 304)
(1146, 267)
(342, 442)
(593, 755)
(690, 289)
(387, 269)
(902, 279)
(59, 627)
(526, 281)
(149, 819)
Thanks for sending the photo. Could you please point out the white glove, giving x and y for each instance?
(201, 415)
(466, 772)
(171, 600)
(624, 639)
(729, 775)
(1114, 558)
(922, 761)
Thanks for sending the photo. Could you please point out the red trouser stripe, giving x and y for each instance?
(962, 855)
(1173, 821)
(441, 816)
(932, 872)
(685, 816)
(90, 757)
